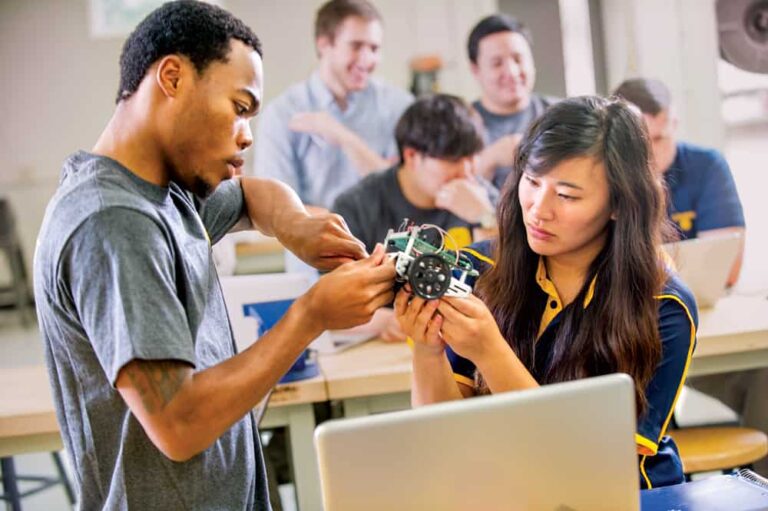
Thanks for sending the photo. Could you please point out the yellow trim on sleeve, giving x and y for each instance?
(644, 473)
(645, 442)
(480, 256)
(460, 378)
(687, 360)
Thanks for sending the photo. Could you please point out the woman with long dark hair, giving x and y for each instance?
(575, 286)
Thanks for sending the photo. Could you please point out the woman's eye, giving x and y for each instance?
(240, 109)
(531, 180)
(567, 197)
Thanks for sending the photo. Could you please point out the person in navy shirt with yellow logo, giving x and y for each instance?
(574, 286)
(704, 200)
(704, 203)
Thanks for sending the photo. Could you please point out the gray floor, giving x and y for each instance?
(747, 151)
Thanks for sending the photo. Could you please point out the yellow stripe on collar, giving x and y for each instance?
(554, 304)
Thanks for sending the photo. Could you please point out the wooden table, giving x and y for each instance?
(376, 376)
(733, 336)
(370, 378)
(27, 417)
(28, 422)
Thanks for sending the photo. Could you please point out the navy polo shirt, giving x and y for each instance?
(677, 328)
(702, 192)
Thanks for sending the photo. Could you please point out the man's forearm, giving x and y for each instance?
(271, 205)
(364, 159)
(192, 411)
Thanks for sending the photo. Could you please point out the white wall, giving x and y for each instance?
(542, 17)
(58, 84)
(674, 41)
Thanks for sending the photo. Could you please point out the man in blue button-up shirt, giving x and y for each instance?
(322, 135)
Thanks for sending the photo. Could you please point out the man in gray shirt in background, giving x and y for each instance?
(499, 49)
(152, 399)
(322, 135)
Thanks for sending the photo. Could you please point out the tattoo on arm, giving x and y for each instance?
(157, 382)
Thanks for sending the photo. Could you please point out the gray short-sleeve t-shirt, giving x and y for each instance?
(497, 126)
(123, 271)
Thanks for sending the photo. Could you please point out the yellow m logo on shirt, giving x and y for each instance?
(458, 237)
(684, 219)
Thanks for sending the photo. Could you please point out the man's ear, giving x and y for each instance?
(673, 122)
(473, 67)
(169, 74)
(409, 154)
(322, 44)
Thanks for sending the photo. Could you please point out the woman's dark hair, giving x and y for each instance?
(619, 331)
(440, 126)
(492, 25)
(201, 32)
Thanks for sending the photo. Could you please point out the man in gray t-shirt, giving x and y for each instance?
(152, 399)
(499, 48)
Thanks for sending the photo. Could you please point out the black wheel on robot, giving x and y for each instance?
(429, 276)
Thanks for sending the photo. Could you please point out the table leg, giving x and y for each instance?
(10, 486)
(301, 429)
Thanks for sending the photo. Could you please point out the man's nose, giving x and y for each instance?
(244, 136)
(512, 67)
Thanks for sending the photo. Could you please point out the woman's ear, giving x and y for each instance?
(614, 216)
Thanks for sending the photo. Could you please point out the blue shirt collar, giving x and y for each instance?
(324, 96)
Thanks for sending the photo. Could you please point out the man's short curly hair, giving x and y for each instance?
(439, 126)
(197, 30)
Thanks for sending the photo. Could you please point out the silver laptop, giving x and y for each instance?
(563, 447)
(705, 263)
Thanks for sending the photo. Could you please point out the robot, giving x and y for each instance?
(423, 261)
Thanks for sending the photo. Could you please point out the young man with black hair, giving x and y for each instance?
(322, 135)
(499, 49)
(152, 399)
(703, 202)
(434, 183)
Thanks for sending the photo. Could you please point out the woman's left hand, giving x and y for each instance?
(469, 328)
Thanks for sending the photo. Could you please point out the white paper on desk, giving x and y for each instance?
(333, 341)
(240, 290)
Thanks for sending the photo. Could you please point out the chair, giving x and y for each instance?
(11, 493)
(10, 245)
(707, 449)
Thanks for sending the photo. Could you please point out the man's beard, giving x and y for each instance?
(201, 188)
(193, 183)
